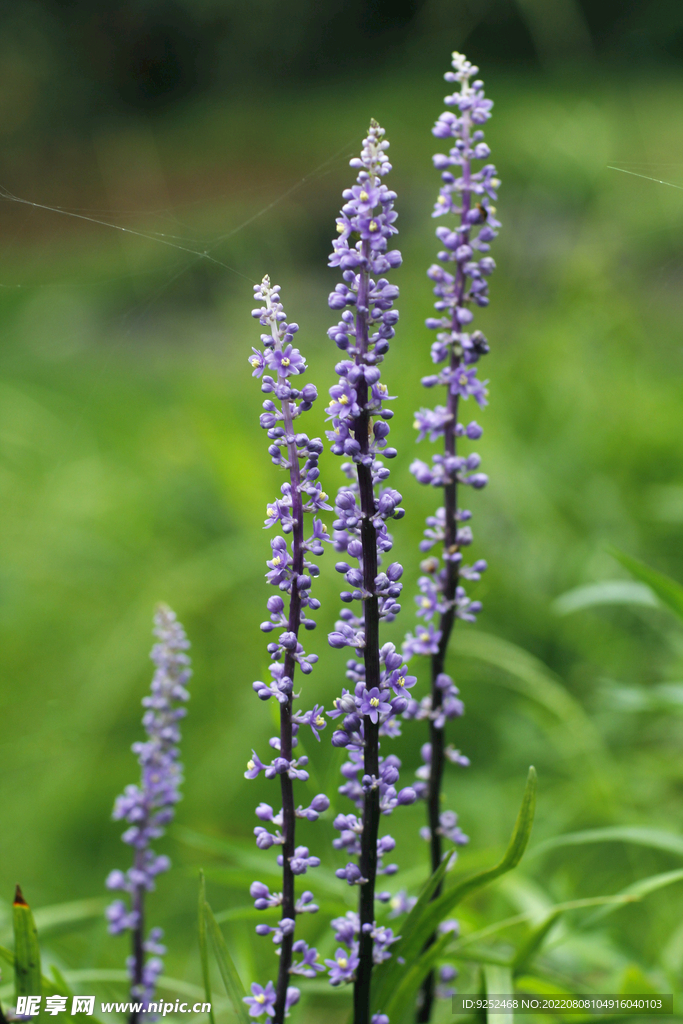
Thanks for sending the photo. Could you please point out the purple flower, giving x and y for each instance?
(425, 641)
(149, 806)
(254, 766)
(342, 967)
(261, 1000)
(257, 361)
(465, 383)
(308, 966)
(372, 704)
(343, 405)
(286, 361)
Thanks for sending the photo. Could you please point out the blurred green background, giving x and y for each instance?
(132, 468)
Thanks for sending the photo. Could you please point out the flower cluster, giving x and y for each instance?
(149, 807)
(291, 572)
(364, 505)
(460, 286)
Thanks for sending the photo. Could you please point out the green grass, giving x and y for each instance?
(132, 470)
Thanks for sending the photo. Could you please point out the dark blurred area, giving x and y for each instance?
(65, 66)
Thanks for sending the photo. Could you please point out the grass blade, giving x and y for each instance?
(426, 916)
(498, 981)
(535, 940)
(27, 976)
(637, 890)
(530, 677)
(386, 978)
(607, 592)
(231, 979)
(657, 839)
(203, 948)
(668, 590)
(440, 908)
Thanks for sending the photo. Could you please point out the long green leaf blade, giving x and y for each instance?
(498, 981)
(657, 839)
(384, 978)
(440, 908)
(607, 592)
(535, 940)
(637, 890)
(27, 976)
(231, 979)
(412, 977)
(203, 948)
(668, 590)
(424, 919)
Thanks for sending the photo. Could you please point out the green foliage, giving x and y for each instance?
(394, 986)
(228, 971)
(27, 973)
(203, 947)
(667, 589)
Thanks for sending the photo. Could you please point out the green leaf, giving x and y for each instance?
(441, 907)
(425, 917)
(7, 955)
(27, 976)
(643, 887)
(59, 982)
(657, 839)
(668, 590)
(498, 981)
(412, 976)
(460, 945)
(248, 860)
(231, 979)
(203, 949)
(530, 677)
(606, 592)
(528, 950)
(386, 978)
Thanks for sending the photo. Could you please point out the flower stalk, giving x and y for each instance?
(360, 422)
(465, 193)
(291, 573)
(149, 807)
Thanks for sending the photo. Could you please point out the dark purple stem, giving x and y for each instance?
(447, 619)
(287, 789)
(368, 856)
(138, 936)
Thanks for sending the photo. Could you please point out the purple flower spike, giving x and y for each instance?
(150, 806)
(469, 187)
(365, 504)
(290, 609)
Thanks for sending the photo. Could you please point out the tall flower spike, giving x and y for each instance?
(360, 427)
(149, 806)
(466, 194)
(290, 571)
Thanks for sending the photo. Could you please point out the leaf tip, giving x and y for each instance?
(19, 900)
